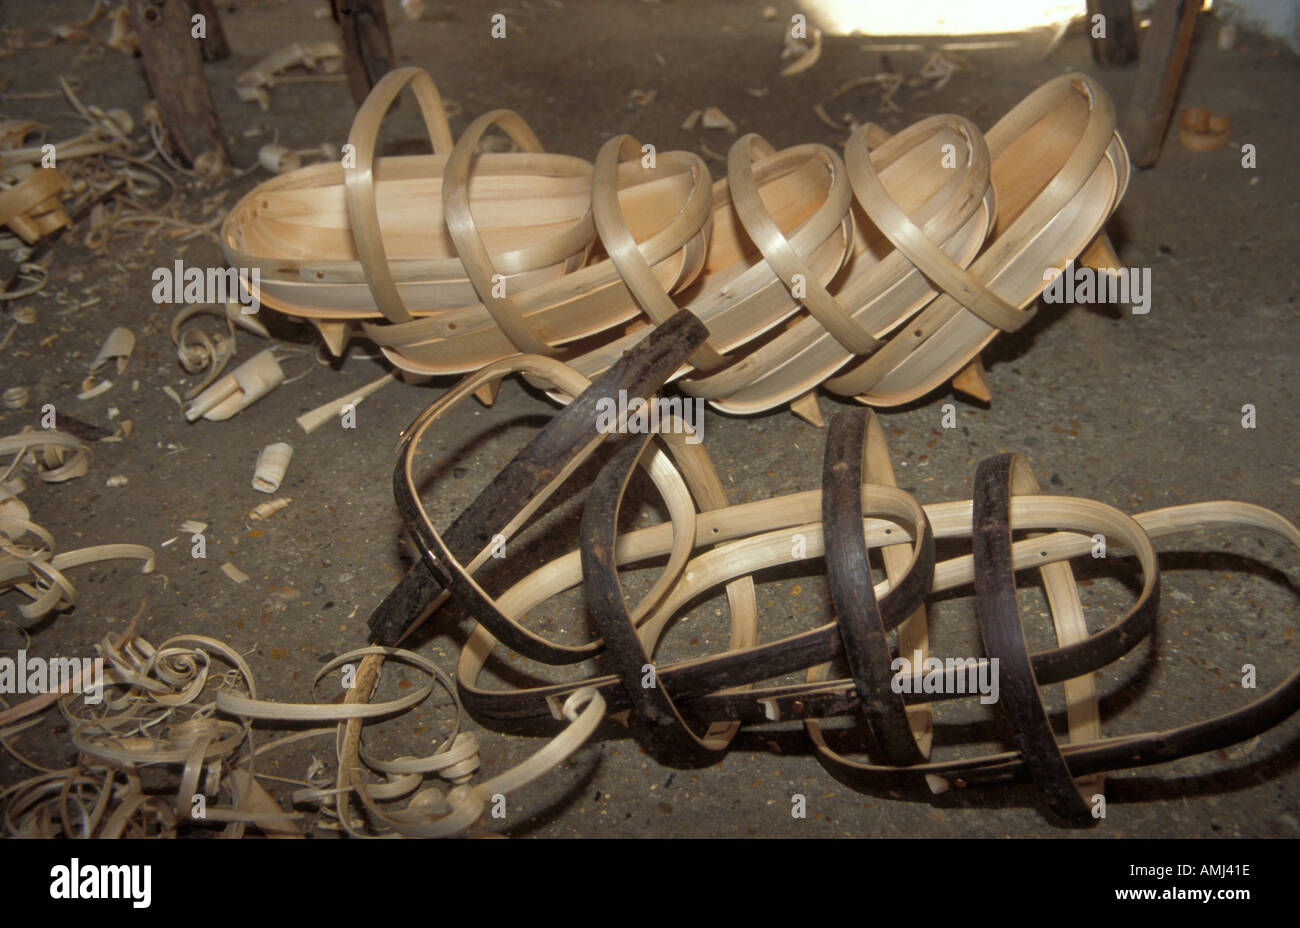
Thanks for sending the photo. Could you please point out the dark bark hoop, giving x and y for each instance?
(519, 489)
(996, 479)
(1108, 754)
(848, 569)
(627, 655)
(703, 679)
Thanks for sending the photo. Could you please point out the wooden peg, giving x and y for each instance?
(1100, 254)
(487, 394)
(971, 381)
(807, 409)
(334, 334)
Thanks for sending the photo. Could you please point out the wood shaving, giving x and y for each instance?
(264, 511)
(692, 118)
(272, 462)
(234, 573)
(175, 707)
(194, 527)
(939, 68)
(35, 276)
(119, 345)
(242, 387)
(117, 480)
(29, 561)
(252, 85)
(121, 37)
(711, 154)
(820, 112)
(714, 118)
(90, 389)
(808, 52)
(15, 397)
(310, 421)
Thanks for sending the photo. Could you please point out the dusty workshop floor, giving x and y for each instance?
(1136, 411)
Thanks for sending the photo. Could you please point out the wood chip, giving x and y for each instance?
(269, 508)
(714, 118)
(89, 392)
(234, 573)
(809, 54)
(272, 462)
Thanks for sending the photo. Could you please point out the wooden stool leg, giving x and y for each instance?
(175, 70)
(1163, 56)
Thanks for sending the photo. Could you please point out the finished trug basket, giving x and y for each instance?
(881, 275)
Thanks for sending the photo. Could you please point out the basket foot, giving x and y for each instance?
(970, 381)
(807, 408)
(487, 394)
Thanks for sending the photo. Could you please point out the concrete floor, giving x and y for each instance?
(1136, 411)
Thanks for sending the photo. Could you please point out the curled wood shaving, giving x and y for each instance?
(188, 705)
(264, 511)
(28, 562)
(242, 387)
(272, 462)
(15, 397)
(119, 345)
(202, 353)
(809, 52)
(820, 112)
(939, 68)
(14, 132)
(252, 85)
(36, 277)
(90, 389)
(121, 37)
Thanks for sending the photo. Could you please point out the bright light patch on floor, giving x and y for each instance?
(939, 17)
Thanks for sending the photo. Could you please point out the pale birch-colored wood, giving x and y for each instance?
(971, 381)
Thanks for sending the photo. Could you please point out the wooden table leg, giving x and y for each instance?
(367, 46)
(214, 46)
(1163, 56)
(175, 70)
(1119, 44)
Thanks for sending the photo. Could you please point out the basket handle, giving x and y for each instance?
(776, 249)
(359, 179)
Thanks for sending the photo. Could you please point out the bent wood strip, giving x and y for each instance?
(996, 479)
(522, 486)
(862, 628)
